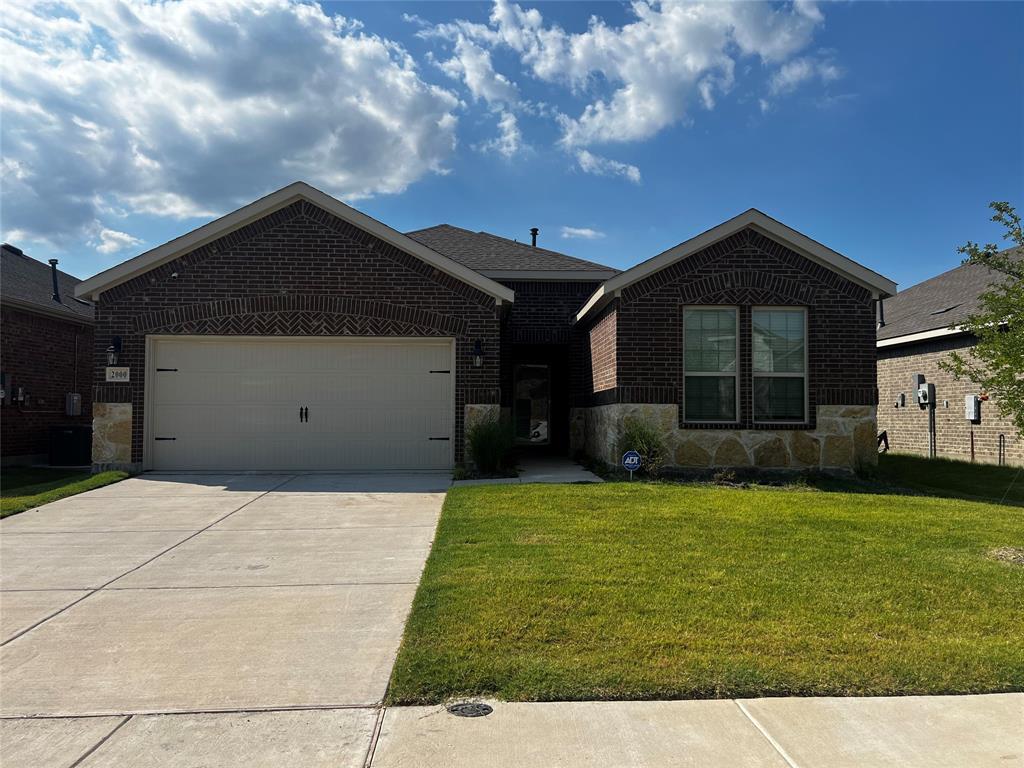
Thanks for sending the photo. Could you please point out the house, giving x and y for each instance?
(46, 363)
(299, 333)
(920, 327)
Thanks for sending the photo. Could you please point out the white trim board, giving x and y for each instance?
(878, 285)
(910, 338)
(283, 197)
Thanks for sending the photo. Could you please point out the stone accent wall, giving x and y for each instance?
(842, 440)
(907, 427)
(299, 271)
(38, 352)
(112, 437)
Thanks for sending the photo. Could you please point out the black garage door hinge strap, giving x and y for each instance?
(165, 438)
(438, 438)
(440, 371)
(158, 370)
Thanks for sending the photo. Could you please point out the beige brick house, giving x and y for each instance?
(921, 327)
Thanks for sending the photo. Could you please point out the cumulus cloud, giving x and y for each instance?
(108, 241)
(581, 233)
(795, 73)
(588, 162)
(509, 141)
(645, 75)
(191, 108)
(472, 65)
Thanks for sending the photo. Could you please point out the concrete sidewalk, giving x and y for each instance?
(912, 731)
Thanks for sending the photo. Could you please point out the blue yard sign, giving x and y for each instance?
(631, 462)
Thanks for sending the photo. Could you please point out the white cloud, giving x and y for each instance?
(581, 233)
(642, 77)
(192, 108)
(472, 65)
(108, 241)
(795, 73)
(603, 166)
(509, 140)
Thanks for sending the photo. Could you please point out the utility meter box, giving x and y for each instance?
(926, 395)
(73, 404)
(972, 408)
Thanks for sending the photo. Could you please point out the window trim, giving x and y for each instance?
(806, 375)
(716, 374)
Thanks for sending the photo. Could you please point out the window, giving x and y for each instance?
(780, 364)
(710, 364)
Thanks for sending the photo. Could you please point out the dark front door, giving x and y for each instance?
(531, 407)
(539, 390)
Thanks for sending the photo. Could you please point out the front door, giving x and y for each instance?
(532, 404)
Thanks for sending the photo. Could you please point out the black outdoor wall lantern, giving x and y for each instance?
(114, 350)
(478, 354)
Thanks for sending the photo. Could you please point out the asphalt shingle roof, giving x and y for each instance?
(25, 280)
(484, 252)
(939, 302)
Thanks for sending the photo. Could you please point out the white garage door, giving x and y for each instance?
(266, 404)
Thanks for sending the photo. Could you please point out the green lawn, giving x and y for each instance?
(948, 477)
(24, 488)
(660, 591)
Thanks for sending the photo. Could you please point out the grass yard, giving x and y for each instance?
(24, 488)
(660, 591)
(948, 477)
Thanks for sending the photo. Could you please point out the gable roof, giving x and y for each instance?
(499, 257)
(28, 284)
(755, 219)
(937, 306)
(283, 197)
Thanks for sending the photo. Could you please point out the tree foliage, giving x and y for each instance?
(996, 362)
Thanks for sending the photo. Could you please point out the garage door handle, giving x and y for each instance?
(303, 413)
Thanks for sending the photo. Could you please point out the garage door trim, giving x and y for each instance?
(150, 372)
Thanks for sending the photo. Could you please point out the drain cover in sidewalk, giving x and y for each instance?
(470, 709)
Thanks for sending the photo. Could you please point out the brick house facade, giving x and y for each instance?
(547, 339)
(46, 352)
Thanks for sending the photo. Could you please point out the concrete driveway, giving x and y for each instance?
(208, 619)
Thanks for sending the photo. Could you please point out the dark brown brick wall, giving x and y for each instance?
(39, 353)
(296, 272)
(907, 428)
(543, 314)
(745, 270)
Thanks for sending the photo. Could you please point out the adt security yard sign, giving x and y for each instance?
(631, 462)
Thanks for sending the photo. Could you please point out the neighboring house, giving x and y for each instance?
(919, 328)
(46, 348)
(299, 333)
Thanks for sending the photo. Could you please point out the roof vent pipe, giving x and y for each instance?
(881, 312)
(53, 274)
(533, 235)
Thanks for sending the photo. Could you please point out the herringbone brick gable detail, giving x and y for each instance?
(298, 324)
(316, 309)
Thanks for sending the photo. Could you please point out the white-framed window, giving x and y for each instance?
(779, 352)
(711, 364)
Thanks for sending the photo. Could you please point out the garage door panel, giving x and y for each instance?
(234, 404)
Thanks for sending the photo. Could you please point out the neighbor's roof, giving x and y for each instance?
(26, 283)
(937, 306)
(754, 219)
(275, 201)
(499, 257)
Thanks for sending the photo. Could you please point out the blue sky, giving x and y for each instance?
(880, 129)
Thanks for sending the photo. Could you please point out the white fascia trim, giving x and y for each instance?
(910, 338)
(878, 285)
(541, 274)
(285, 196)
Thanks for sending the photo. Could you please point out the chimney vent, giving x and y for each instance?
(53, 274)
(533, 235)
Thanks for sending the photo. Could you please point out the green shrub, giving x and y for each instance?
(490, 444)
(640, 435)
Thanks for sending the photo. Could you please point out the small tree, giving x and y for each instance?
(996, 362)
